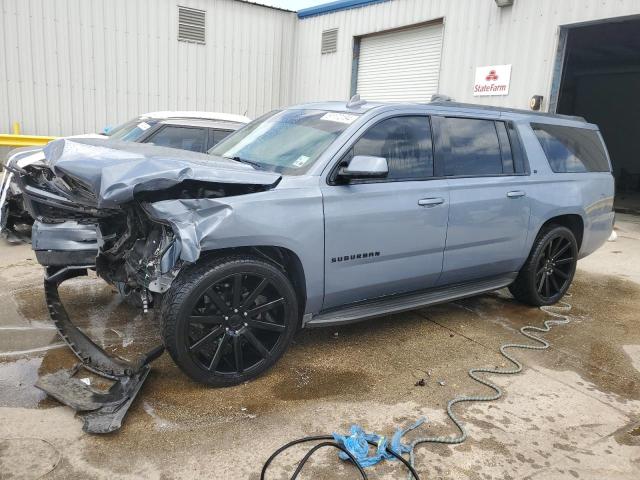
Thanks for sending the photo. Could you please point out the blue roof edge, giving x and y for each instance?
(335, 6)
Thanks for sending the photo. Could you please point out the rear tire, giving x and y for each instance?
(229, 319)
(548, 272)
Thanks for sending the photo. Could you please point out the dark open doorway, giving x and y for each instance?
(601, 82)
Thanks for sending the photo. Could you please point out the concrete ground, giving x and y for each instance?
(574, 412)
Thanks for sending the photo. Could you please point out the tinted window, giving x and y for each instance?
(219, 135)
(406, 144)
(185, 138)
(473, 148)
(505, 148)
(571, 149)
(517, 151)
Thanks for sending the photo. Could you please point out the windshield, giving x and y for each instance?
(287, 141)
(131, 130)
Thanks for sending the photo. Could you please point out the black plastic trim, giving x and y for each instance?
(379, 307)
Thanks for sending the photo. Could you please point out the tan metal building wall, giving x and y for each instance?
(74, 66)
(476, 33)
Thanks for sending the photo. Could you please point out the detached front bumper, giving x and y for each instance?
(64, 244)
(102, 411)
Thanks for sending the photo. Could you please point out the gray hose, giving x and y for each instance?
(559, 313)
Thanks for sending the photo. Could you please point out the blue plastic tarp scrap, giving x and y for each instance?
(357, 444)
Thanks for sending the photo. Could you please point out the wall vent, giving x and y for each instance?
(191, 25)
(329, 41)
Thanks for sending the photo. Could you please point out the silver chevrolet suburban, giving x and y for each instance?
(325, 214)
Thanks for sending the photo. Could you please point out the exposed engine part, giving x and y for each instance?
(145, 302)
(137, 252)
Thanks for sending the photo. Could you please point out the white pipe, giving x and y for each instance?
(18, 353)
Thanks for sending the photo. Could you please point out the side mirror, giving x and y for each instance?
(365, 166)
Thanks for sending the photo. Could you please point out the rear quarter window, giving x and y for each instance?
(571, 149)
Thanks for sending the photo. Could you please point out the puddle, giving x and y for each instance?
(20, 342)
(359, 373)
(602, 342)
(379, 360)
(95, 308)
(16, 383)
(313, 384)
(160, 423)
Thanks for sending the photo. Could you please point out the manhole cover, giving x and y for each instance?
(26, 458)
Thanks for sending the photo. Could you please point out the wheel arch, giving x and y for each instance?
(572, 221)
(285, 259)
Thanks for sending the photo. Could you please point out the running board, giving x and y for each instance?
(102, 411)
(401, 303)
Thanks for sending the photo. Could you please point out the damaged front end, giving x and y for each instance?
(12, 211)
(134, 197)
(137, 254)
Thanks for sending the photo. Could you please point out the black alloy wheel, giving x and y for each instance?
(548, 272)
(554, 267)
(230, 321)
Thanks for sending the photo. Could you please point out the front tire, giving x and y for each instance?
(229, 319)
(549, 270)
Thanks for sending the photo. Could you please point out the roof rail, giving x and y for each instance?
(438, 97)
(355, 102)
(491, 108)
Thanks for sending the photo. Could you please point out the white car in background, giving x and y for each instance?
(186, 130)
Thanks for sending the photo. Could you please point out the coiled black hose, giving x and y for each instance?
(328, 441)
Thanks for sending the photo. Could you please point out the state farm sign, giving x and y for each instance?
(492, 80)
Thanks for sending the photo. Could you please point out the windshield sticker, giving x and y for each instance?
(302, 159)
(144, 126)
(339, 117)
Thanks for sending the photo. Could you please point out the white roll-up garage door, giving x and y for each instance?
(402, 65)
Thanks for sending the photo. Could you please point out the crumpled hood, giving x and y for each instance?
(23, 156)
(114, 171)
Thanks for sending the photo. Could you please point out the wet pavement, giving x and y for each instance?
(574, 412)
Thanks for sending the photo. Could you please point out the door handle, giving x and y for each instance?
(516, 194)
(430, 202)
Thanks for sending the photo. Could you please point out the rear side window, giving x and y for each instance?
(473, 148)
(185, 138)
(571, 149)
(406, 144)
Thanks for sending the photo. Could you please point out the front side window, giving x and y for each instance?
(287, 141)
(219, 135)
(570, 149)
(184, 138)
(405, 142)
(474, 148)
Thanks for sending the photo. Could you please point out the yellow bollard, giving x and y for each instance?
(16, 128)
